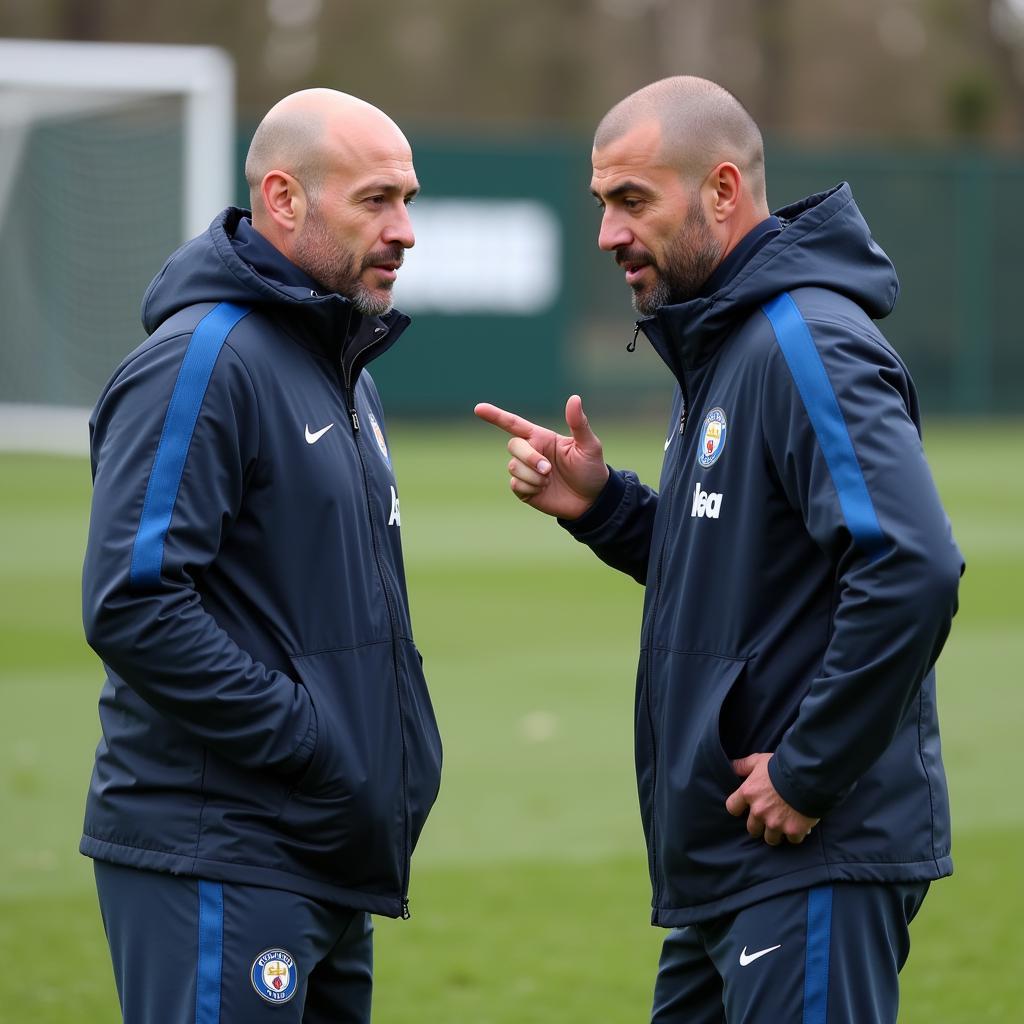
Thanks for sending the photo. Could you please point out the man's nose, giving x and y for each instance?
(614, 234)
(399, 229)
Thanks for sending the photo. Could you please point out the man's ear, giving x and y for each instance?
(284, 201)
(726, 184)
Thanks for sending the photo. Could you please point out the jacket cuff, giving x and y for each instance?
(808, 802)
(603, 508)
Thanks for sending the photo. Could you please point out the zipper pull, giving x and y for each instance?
(355, 419)
(631, 347)
(406, 912)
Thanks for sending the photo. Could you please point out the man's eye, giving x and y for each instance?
(632, 204)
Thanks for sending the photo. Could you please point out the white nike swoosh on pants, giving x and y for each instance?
(746, 958)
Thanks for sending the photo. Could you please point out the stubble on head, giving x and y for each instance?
(701, 125)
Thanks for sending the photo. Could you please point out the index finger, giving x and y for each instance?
(507, 421)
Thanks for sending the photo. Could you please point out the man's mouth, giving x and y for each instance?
(387, 269)
(634, 262)
(634, 272)
(385, 262)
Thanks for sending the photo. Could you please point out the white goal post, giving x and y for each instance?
(203, 75)
(69, 95)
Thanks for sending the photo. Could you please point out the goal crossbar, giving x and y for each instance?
(202, 75)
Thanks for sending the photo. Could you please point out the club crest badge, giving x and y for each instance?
(379, 435)
(712, 438)
(275, 976)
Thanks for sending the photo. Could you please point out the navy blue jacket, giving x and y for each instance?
(265, 716)
(801, 577)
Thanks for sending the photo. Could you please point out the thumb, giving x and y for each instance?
(577, 422)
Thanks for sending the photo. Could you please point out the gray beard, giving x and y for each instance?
(337, 269)
(369, 304)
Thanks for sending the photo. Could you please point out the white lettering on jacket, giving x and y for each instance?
(705, 504)
(396, 515)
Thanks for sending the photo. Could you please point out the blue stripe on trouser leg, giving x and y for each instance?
(211, 952)
(819, 937)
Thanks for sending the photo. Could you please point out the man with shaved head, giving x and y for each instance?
(801, 576)
(269, 752)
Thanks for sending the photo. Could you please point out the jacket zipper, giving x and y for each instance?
(631, 345)
(350, 399)
(681, 446)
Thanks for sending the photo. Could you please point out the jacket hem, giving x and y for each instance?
(242, 874)
(859, 871)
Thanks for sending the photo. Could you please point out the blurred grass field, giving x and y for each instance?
(530, 895)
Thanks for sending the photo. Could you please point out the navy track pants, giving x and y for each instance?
(829, 955)
(188, 951)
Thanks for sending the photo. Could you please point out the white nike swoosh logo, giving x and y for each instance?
(667, 443)
(749, 959)
(313, 438)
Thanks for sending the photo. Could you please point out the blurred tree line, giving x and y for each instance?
(811, 71)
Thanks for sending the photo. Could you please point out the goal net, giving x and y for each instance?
(110, 156)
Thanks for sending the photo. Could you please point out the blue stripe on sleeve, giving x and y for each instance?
(826, 418)
(211, 952)
(819, 937)
(182, 413)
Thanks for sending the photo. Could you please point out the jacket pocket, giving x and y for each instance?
(703, 853)
(695, 836)
(345, 819)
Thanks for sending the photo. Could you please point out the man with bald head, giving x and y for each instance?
(800, 574)
(269, 752)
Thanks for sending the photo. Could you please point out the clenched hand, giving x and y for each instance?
(769, 816)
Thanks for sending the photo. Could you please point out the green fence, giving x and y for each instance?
(70, 283)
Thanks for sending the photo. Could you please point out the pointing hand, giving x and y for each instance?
(557, 474)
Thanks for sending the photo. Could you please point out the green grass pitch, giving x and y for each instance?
(529, 893)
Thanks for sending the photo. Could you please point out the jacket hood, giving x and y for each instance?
(208, 269)
(825, 243)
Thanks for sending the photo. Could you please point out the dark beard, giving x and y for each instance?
(690, 260)
(337, 268)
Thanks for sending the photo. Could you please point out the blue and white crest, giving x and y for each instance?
(712, 438)
(379, 435)
(275, 976)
